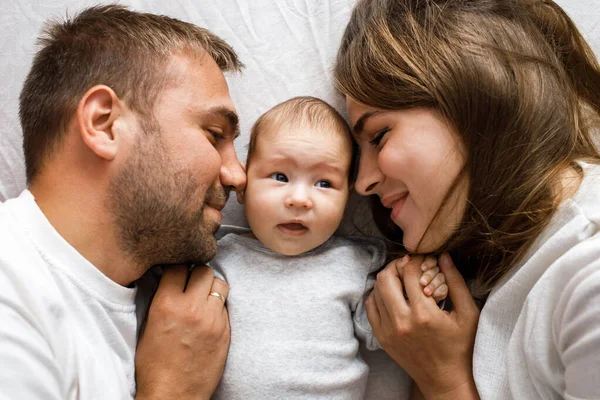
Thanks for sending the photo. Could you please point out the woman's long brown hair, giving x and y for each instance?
(514, 78)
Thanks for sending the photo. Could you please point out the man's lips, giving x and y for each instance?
(216, 198)
(217, 207)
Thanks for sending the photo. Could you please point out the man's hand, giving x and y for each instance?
(182, 350)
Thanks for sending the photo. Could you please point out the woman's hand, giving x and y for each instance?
(435, 347)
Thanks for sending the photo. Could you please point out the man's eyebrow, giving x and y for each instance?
(360, 124)
(230, 116)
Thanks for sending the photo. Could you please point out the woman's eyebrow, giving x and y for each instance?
(360, 124)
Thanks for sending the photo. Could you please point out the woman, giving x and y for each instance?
(474, 121)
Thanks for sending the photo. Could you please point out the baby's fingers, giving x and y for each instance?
(428, 263)
(437, 281)
(428, 276)
(440, 293)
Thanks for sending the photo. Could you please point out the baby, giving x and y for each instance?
(296, 299)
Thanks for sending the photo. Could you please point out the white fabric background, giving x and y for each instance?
(288, 47)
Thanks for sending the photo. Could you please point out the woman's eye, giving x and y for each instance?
(323, 184)
(279, 177)
(379, 136)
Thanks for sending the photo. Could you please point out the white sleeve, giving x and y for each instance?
(28, 369)
(362, 327)
(373, 256)
(576, 328)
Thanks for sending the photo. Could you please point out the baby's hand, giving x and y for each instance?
(433, 280)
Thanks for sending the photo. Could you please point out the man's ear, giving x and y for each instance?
(97, 111)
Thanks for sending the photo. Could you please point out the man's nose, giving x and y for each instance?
(232, 172)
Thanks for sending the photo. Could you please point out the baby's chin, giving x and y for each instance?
(291, 253)
(288, 250)
(291, 248)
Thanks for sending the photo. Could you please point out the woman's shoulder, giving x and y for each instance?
(569, 243)
(587, 197)
(576, 317)
(572, 240)
(576, 223)
(574, 274)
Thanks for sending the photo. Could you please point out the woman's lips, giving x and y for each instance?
(397, 206)
(293, 229)
(389, 200)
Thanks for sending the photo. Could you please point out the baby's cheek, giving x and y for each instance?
(333, 212)
(257, 205)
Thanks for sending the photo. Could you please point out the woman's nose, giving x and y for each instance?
(299, 196)
(369, 175)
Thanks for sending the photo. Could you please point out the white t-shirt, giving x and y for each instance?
(66, 330)
(539, 331)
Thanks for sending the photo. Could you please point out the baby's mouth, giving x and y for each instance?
(293, 228)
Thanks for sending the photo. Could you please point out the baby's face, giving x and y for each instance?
(297, 187)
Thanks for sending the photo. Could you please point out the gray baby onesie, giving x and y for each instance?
(295, 320)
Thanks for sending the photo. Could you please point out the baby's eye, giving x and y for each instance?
(279, 177)
(323, 184)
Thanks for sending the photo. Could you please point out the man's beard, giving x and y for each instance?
(152, 207)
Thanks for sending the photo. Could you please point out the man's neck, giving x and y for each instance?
(81, 218)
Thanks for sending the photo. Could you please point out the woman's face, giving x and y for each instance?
(410, 159)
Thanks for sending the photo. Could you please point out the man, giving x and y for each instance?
(128, 133)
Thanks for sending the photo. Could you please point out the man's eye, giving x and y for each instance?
(323, 184)
(217, 136)
(279, 177)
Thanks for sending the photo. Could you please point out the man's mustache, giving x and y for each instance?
(217, 197)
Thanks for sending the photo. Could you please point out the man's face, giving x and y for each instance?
(167, 196)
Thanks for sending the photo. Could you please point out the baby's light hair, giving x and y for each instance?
(302, 110)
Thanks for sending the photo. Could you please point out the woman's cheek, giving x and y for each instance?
(390, 161)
